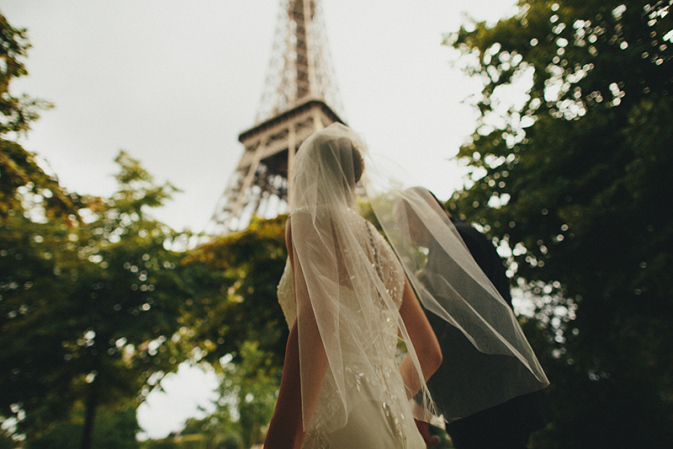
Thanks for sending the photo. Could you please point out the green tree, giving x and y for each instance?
(247, 396)
(243, 332)
(18, 167)
(78, 278)
(16, 112)
(115, 429)
(239, 291)
(254, 383)
(575, 182)
(6, 440)
(24, 185)
(91, 311)
(218, 429)
(166, 443)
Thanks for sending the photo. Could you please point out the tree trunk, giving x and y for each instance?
(90, 416)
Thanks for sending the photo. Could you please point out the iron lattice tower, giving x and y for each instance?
(299, 90)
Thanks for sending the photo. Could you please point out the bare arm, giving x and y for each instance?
(286, 429)
(423, 339)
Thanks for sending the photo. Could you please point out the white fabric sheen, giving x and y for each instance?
(390, 269)
(380, 415)
(346, 303)
(450, 284)
(345, 290)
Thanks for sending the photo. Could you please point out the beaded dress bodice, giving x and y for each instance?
(372, 380)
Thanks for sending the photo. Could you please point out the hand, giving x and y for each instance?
(424, 429)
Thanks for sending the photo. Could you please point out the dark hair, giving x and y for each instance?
(345, 160)
(358, 163)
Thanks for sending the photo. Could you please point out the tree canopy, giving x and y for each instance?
(19, 168)
(99, 301)
(573, 181)
(245, 268)
(91, 310)
(243, 331)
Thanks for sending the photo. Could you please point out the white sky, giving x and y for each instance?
(174, 82)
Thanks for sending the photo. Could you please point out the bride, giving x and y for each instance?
(349, 297)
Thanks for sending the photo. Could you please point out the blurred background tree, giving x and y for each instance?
(99, 301)
(93, 297)
(239, 330)
(574, 182)
(18, 167)
(243, 334)
(91, 308)
(114, 429)
(248, 265)
(254, 382)
(218, 430)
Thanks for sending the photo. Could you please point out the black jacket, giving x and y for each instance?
(522, 414)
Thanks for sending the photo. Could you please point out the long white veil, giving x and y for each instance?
(489, 359)
(344, 288)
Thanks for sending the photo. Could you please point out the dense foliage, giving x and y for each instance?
(99, 301)
(249, 265)
(19, 168)
(574, 181)
(91, 308)
(243, 334)
(113, 430)
(92, 292)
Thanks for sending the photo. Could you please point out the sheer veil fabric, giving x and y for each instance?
(347, 288)
(452, 287)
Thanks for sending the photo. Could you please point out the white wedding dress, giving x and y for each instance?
(350, 285)
(380, 415)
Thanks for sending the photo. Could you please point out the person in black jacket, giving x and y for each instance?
(505, 426)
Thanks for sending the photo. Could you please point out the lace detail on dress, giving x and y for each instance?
(377, 383)
(387, 266)
(373, 383)
(389, 270)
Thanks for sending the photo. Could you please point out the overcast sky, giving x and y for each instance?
(174, 82)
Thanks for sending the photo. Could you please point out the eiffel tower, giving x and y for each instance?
(299, 99)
